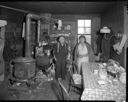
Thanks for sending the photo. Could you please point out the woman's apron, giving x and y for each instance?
(82, 56)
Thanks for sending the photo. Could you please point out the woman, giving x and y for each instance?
(83, 53)
(60, 52)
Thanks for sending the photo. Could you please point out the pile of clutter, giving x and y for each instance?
(114, 69)
(41, 77)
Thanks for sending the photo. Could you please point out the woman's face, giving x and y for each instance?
(62, 40)
(82, 40)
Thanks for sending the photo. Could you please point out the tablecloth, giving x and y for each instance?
(94, 91)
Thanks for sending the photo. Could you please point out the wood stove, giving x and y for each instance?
(23, 68)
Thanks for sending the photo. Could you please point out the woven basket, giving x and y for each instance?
(77, 78)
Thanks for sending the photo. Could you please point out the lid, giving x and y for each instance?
(24, 59)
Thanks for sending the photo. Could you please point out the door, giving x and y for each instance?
(126, 32)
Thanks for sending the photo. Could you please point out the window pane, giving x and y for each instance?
(88, 38)
(88, 30)
(80, 23)
(81, 30)
(87, 23)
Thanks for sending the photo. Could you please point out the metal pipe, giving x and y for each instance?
(39, 27)
(29, 17)
(28, 37)
(33, 16)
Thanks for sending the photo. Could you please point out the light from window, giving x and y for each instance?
(84, 28)
(80, 23)
(81, 30)
(87, 23)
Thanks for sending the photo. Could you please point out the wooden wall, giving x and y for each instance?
(14, 29)
(72, 19)
(13, 34)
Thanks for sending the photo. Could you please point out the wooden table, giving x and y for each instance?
(94, 91)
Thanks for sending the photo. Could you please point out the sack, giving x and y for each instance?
(77, 78)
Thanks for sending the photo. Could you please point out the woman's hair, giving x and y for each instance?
(82, 36)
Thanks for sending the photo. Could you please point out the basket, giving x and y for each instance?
(77, 78)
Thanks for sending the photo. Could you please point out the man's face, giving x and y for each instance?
(82, 40)
(62, 40)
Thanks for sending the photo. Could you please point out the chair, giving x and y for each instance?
(78, 88)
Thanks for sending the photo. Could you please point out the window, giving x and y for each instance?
(84, 28)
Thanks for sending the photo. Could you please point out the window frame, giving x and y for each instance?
(84, 34)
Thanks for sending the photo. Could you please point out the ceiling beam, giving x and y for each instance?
(15, 9)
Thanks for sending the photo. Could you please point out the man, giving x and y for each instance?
(60, 52)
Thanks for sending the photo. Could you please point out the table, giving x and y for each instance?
(94, 91)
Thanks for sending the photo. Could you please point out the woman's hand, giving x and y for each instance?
(81, 56)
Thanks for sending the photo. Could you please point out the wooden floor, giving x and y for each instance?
(46, 91)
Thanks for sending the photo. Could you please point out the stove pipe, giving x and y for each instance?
(29, 17)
